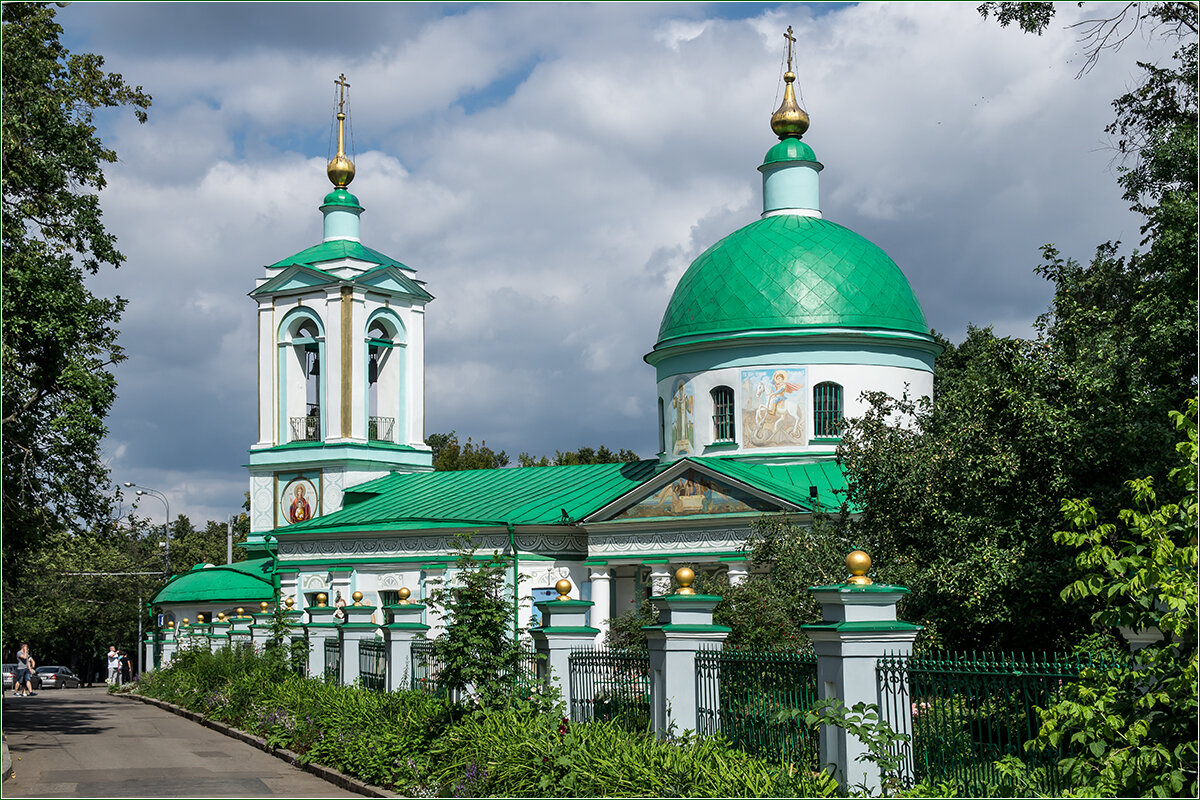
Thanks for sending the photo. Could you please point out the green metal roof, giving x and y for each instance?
(335, 250)
(540, 495)
(789, 272)
(517, 496)
(243, 580)
(789, 150)
(789, 481)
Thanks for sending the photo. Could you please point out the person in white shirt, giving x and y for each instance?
(114, 665)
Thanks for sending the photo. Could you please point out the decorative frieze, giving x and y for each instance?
(639, 542)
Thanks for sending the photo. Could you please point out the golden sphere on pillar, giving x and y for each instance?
(859, 563)
(563, 587)
(404, 595)
(321, 598)
(357, 597)
(685, 576)
(264, 605)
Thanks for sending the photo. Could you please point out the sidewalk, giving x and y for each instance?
(86, 743)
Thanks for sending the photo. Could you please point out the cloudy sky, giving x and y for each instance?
(551, 170)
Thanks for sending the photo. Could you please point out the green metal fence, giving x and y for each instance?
(299, 655)
(966, 710)
(740, 694)
(426, 667)
(372, 666)
(333, 661)
(610, 685)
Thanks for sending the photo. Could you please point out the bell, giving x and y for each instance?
(373, 367)
(315, 369)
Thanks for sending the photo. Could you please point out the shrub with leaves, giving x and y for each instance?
(1133, 727)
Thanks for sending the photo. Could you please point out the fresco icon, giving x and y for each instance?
(298, 498)
(693, 493)
(773, 406)
(683, 406)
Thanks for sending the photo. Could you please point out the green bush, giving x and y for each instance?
(423, 745)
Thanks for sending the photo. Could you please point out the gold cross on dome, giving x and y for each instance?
(343, 86)
(790, 40)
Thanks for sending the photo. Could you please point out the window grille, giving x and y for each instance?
(827, 410)
(723, 429)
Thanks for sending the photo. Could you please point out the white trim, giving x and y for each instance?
(795, 212)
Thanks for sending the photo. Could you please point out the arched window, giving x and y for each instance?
(723, 428)
(662, 428)
(385, 377)
(827, 410)
(301, 350)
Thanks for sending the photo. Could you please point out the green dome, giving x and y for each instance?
(791, 272)
(340, 197)
(789, 149)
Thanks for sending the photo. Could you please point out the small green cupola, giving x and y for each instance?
(790, 169)
(341, 209)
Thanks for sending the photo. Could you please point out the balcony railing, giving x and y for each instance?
(306, 429)
(381, 429)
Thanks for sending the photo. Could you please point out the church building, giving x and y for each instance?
(766, 345)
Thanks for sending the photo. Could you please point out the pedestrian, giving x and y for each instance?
(126, 668)
(114, 665)
(25, 667)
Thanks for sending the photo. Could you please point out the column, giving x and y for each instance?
(684, 626)
(434, 576)
(601, 580)
(403, 629)
(563, 628)
(320, 627)
(660, 577)
(355, 629)
(738, 572)
(858, 627)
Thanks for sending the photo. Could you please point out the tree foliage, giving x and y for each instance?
(1133, 726)
(477, 648)
(959, 496)
(59, 339)
(449, 455)
(584, 455)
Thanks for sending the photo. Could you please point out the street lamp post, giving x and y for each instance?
(147, 491)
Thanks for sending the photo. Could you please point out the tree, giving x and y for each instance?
(449, 455)
(59, 339)
(1132, 724)
(584, 455)
(959, 497)
(477, 649)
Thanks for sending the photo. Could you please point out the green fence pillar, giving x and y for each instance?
(563, 628)
(685, 625)
(169, 644)
(220, 632)
(403, 629)
(239, 628)
(357, 628)
(260, 631)
(858, 627)
(321, 626)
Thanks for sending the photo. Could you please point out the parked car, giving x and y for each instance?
(58, 678)
(10, 675)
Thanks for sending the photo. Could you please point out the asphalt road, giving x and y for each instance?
(84, 743)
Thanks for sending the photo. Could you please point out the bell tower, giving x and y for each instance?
(341, 366)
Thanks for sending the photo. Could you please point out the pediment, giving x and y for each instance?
(296, 277)
(393, 280)
(691, 489)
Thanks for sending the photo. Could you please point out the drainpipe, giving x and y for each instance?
(512, 543)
